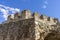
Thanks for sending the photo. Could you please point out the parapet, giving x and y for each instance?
(56, 20)
(35, 15)
(43, 17)
(17, 16)
(26, 14)
(50, 19)
(10, 17)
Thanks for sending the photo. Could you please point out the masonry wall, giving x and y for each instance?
(25, 26)
(18, 30)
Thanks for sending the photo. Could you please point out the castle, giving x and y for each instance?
(24, 26)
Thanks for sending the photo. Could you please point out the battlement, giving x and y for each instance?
(26, 14)
(43, 17)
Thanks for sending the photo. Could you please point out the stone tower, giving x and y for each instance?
(24, 26)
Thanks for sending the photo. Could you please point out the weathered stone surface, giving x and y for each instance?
(21, 29)
(53, 36)
(26, 27)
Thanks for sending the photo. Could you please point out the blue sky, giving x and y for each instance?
(46, 7)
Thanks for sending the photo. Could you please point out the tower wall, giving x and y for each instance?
(24, 26)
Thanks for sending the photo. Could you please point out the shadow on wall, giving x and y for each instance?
(53, 36)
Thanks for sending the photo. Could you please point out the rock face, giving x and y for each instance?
(24, 26)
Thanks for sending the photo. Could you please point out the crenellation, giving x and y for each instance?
(35, 15)
(56, 20)
(50, 19)
(25, 14)
(43, 17)
(17, 16)
(10, 18)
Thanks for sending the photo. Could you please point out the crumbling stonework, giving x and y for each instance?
(53, 36)
(24, 26)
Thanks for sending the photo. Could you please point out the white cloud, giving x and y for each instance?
(44, 6)
(45, 2)
(5, 10)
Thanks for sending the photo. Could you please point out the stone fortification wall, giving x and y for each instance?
(26, 14)
(18, 30)
(26, 26)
